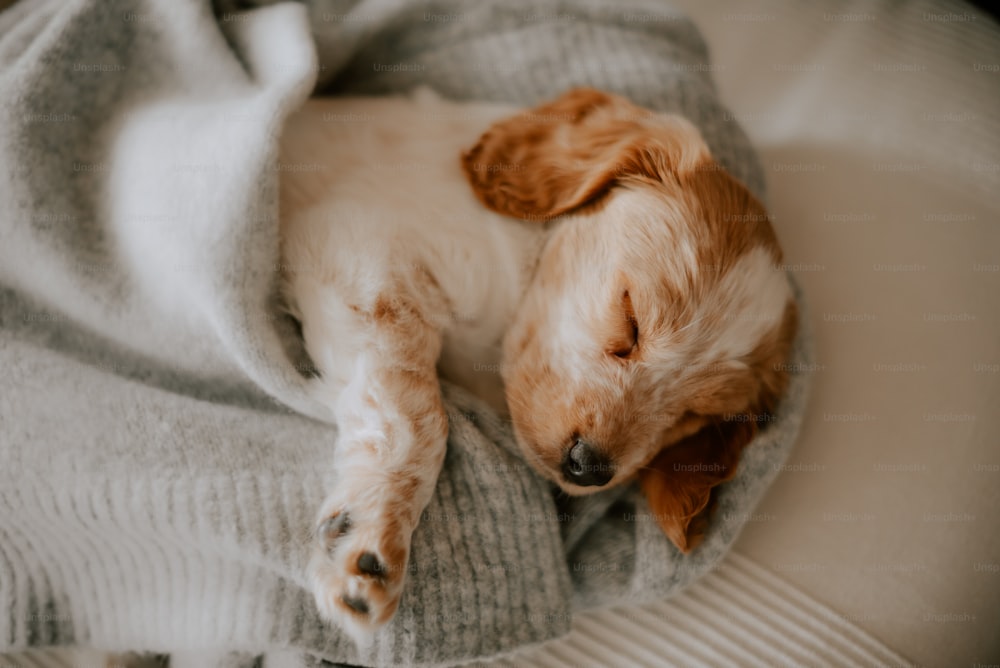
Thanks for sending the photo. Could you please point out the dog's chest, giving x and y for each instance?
(487, 284)
(482, 263)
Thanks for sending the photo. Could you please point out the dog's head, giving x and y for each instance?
(653, 336)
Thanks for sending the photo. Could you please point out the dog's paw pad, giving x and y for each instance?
(355, 603)
(369, 564)
(358, 566)
(332, 528)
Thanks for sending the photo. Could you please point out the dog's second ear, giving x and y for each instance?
(679, 482)
(567, 153)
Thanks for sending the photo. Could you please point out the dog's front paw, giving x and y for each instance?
(358, 568)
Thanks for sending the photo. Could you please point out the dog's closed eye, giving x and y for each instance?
(624, 346)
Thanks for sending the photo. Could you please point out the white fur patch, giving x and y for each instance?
(751, 298)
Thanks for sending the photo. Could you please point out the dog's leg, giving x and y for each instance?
(377, 356)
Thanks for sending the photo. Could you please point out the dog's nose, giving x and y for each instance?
(583, 465)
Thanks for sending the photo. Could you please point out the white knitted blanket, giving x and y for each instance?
(160, 456)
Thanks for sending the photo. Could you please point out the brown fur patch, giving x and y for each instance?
(385, 311)
(568, 153)
(728, 220)
(679, 482)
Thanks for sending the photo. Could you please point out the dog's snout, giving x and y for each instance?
(586, 466)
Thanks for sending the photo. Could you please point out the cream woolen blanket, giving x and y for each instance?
(162, 458)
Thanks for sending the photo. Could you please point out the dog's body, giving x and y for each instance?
(620, 301)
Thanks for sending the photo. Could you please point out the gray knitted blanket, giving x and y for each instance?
(162, 459)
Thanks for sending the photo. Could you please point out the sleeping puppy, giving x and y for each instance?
(585, 267)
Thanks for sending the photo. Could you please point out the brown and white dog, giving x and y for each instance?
(626, 289)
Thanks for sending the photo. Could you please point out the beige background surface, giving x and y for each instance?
(878, 128)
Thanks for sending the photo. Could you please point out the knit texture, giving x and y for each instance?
(162, 458)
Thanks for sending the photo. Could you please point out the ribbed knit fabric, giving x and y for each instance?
(739, 615)
(162, 458)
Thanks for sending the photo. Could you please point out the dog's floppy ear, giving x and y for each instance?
(680, 480)
(567, 153)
